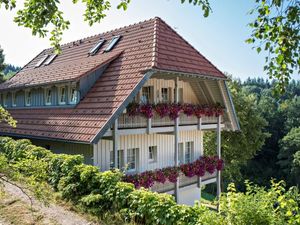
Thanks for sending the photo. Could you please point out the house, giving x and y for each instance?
(78, 102)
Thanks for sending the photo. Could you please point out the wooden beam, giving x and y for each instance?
(176, 138)
(169, 129)
(115, 142)
(219, 156)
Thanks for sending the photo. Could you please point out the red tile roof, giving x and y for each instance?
(151, 44)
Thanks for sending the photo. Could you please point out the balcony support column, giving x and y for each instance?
(176, 139)
(199, 180)
(219, 156)
(115, 142)
(149, 125)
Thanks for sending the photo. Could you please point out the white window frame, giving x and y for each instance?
(121, 159)
(152, 153)
(60, 88)
(165, 95)
(189, 151)
(71, 100)
(146, 95)
(14, 99)
(28, 93)
(135, 159)
(46, 95)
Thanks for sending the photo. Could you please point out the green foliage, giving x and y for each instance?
(6, 117)
(276, 29)
(102, 193)
(289, 156)
(260, 206)
(239, 147)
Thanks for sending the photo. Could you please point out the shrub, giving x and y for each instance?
(60, 165)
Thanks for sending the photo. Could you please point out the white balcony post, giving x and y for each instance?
(219, 156)
(149, 125)
(199, 178)
(115, 142)
(176, 137)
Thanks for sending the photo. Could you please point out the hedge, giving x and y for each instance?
(98, 192)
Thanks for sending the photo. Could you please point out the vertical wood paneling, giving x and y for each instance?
(188, 94)
(164, 143)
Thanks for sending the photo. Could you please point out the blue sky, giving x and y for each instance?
(220, 37)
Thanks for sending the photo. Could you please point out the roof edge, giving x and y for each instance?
(119, 110)
(233, 108)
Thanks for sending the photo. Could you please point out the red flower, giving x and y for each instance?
(162, 109)
(188, 109)
(146, 110)
(174, 111)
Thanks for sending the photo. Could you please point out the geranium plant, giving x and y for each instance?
(198, 168)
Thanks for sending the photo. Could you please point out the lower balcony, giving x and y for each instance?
(184, 181)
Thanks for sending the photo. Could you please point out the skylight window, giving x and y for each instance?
(50, 59)
(41, 61)
(112, 43)
(96, 48)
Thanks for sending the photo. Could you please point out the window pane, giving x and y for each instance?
(180, 153)
(164, 95)
(131, 158)
(152, 153)
(189, 152)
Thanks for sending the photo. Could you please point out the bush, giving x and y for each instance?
(102, 192)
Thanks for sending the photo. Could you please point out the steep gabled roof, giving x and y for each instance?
(144, 46)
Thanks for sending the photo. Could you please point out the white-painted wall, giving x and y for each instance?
(164, 143)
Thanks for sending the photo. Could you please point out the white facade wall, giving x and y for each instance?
(164, 143)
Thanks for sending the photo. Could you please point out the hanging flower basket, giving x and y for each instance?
(147, 110)
(198, 168)
(162, 109)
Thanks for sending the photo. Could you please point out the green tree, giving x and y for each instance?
(239, 147)
(291, 110)
(289, 156)
(276, 29)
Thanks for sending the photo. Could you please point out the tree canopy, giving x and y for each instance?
(275, 29)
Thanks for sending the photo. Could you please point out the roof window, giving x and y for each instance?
(50, 59)
(39, 63)
(95, 49)
(112, 43)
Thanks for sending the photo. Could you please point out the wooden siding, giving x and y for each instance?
(188, 94)
(68, 148)
(37, 98)
(164, 143)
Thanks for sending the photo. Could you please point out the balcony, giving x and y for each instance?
(183, 182)
(126, 121)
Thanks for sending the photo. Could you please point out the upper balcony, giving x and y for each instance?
(127, 121)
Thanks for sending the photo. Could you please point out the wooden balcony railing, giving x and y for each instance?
(126, 121)
(183, 182)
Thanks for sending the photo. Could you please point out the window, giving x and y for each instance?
(180, 153)
(48, 96)
(132, 159)
(96, 48)
(39, 63)
(147, 93)
(62, 95)
(5, 100)
(152, 153)
(14, 99)
(112, 43)
(165, 95)
(189, 150)
(73, 95)
(120, 159)
(28, 98)
(50, 59)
